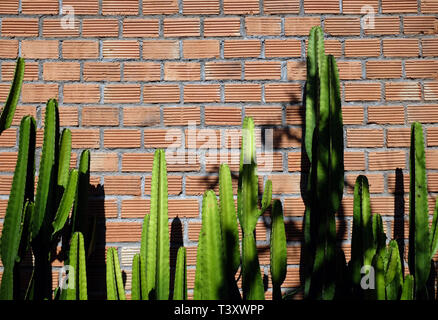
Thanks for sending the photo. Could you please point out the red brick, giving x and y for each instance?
(101, 71)
(423, 113)
(141, 116)
(160, 7)
(40, 6)
(431, 90)
(104, 162)
(386, 114)
(362, 47)
(122, 93)
(355, 6)
(81, 93)
(160, 49)
(400, 47)
(242, 92)
(79, 49)
(38, 92)
(342, 26)
(82, 7)
(122, 185)
(53, 28)
(223, 70)
(387, 160)
(430, 47)
(420, 25)
(140, 28)
(121, 49)
(242, 48)
(429, 6)
(115, 7)
(19, 27)
(399, 6)
(398, 137)
(97, 28)
(316, 6)
(181, 27)
(241, 7)
(85, 138)
(364, 138)
(31, 71)
(221, 27)
(281, 6)
(362, 91)
(294, 115)
(377, 69)
(161, 93)
(350, 70)
(142, 71)
(263, 26)
(162, 138)
(181, 116)
(384, 26)
(225, 116)
(401, 91)
(39, 49)
(201, 93)
(122, 138)
(61, 71)
(282, 48)
(8, 48)
(100, 116)
(182, 71)
(267, 70)
(201, 7)
(200, 49)
(9, 7)
(352, 114)
(300, 26)
(283, 92)
(421, 69)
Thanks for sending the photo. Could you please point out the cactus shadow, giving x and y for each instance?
(176, 241)
(399, 212)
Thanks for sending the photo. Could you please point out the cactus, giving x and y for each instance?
(78, 274)
(248, 213)
(324, 148)
(362, 239)
(278, 249)
(229, 227)
(408, 288)
(136, 286)
(114, 281)
(21, 191)
(210, 277)
(180, 287)
(422, 241)
(8, 111)
(157, 253)
(394, 272)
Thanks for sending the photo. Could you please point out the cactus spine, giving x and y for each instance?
(114, 281)
(180, 287)
(21, 191)
(324, 147)
(422, 245)
(210, 280)
(8, 111)
(248, 212)
(278, 249)
(157, 253)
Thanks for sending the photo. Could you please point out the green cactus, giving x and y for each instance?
(180, 287)
(362, 239)
(7, 114)
(422, 241)
(114, 280)
(278, 249)
(229, 227)
(393, 272)
(21, 192)
(324, 148)
(210, 277)
(248, 213)
(157, 252)
(78, 274)
(379, 271)
(408, 288)
(136, 286)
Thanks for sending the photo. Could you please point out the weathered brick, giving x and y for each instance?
(201, 7)
(101, 71)
(160, 7)
(342, 26)
(61, 71)
(81, 93)
(201, 93)
(281, 6)
(160, 49)
(182, 71)
(241, 7)
(100, 116)
(223, 70)
(181, 27)
(122, 93)
(221, 27)
(267, 70)
(121, 138)
(114, 7)
(80, 49)
(40, 6)
(141, 116)
(142, 71)
(121, 49)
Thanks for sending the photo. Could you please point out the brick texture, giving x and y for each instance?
(134, 75)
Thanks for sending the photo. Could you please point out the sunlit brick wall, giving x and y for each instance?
(134, 75)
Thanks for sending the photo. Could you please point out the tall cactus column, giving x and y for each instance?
(324, 147)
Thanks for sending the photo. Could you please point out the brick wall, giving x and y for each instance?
(131, 76)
